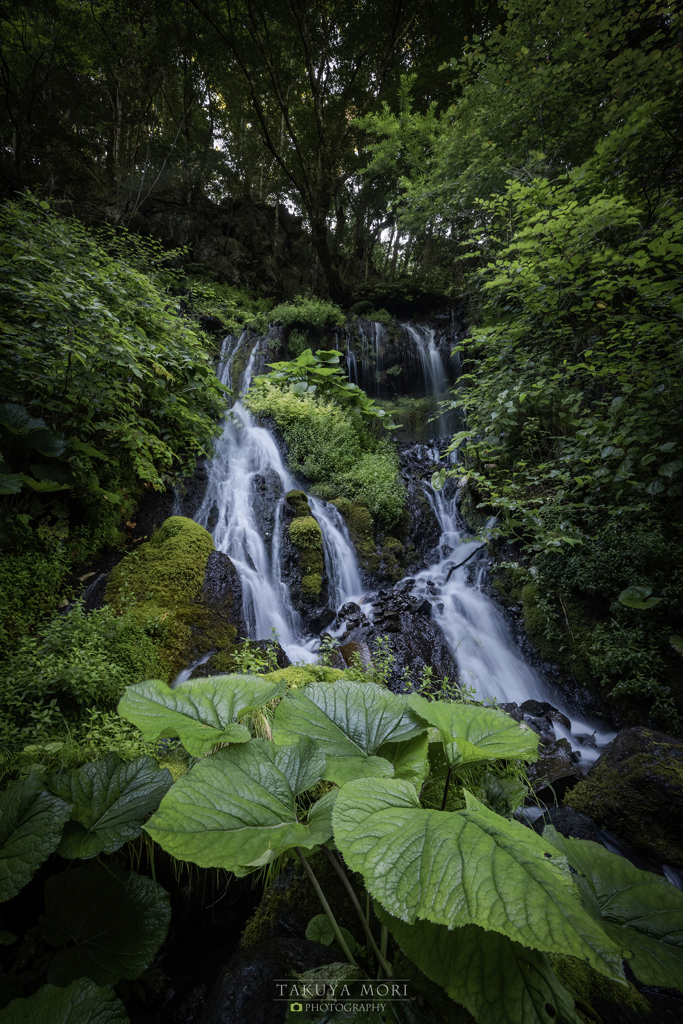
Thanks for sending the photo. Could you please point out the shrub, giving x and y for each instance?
(30, 588)
(308, 313)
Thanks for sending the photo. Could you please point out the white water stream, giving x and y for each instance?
(247, 484)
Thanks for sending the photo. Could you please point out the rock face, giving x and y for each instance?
(556, 769)
(635, 790)
(250, 245)
(414, 641)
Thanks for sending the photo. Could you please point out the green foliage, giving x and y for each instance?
(30, 586)
(202, 713)
(460, 889)
(330, 446)
(350, 723)
(238, 309)
(117, 921)
(244, 811)
(110, 800)
(321, 374)
(31, 825)
(308, 313)
(81, 1002)
(89, 345)
(76, 666)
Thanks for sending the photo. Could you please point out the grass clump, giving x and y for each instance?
(303, 313)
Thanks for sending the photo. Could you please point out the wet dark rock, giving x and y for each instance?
(513, 710)
(222, 589)
(635, 790)
(541, 709)
(245, 992)
(567, 821)
(424, 609)
(348, 650)
(321, 620)
(555, 768)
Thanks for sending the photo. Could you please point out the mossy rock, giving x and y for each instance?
(304, 532)
(162, 583)
(362, 530)
(392, 556)
(311, 584)
(635, 789)
(298, 676)
(298, 502)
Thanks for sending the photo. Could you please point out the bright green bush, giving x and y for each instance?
(103, 383)
(330, 446)
(76, 664)
(308, 313)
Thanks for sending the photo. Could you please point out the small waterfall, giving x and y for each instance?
(475, 629)
(340, 557)
(432, 365)
(372, 338)
(247, 484)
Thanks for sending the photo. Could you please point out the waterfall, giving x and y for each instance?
(475, 629)
(342, 570)
(247, 485)
(433, 369)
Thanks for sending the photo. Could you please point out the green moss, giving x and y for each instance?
(298, 676)
(304, 532)
(628, 799)
(311, 584)
(298, 501)
(162, 582)
(586, 984)
(362, 530)
(535, 622)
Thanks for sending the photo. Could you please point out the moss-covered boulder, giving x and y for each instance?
(302, 555)
(635, 789)
(187, 593)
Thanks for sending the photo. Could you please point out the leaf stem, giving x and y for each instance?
(381, 959)
(326, 907)
(445, 791)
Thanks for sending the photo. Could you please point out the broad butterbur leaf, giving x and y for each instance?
(237, 809)
(640, 911)
(350, 722)
(31, 822)
(116, 919)
(465, 867)
(111, 799)
(202, 713)
(81, 1002)
(497, 979)
(638, 597)
(320, 930)
(472, 735)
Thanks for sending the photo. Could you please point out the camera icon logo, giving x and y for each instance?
(295, 1007)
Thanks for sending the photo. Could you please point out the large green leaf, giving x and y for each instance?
(465, 867)
(111, 799)
(116, 919)
(471, 734)
(202, 713)
(350, 722)
(410, 759)
(497, 979)
(642, 912)
(82, 1002)
(237, 808)
(31, 823)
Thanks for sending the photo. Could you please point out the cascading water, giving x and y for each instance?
(247, 484)
(476, 632)
(343, 573)
(433, 368)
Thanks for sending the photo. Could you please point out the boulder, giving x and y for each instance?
(635, 790)
(191, 590)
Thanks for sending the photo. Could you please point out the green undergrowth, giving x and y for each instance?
(573, 614)
(61, 687)
(333, 449)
